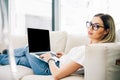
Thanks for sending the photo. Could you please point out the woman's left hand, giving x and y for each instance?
(46, 56)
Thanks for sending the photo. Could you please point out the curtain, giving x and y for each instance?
(5, 35)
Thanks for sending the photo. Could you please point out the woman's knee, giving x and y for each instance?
(23, 61)
(21, 51)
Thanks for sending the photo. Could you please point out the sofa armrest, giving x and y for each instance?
(100, 61)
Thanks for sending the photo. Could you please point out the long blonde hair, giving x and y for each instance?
(108, 23)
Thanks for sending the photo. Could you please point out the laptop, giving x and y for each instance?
(38, 42)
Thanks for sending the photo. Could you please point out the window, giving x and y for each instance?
(75, 13)
(73, 16)
(30, 13)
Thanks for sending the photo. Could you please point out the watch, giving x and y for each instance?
(51, 59)
(54, 58)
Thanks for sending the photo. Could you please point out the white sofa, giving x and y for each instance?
(100, 62)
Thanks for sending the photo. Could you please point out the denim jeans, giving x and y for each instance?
(22, 57)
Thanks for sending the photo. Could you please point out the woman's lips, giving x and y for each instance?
(90, 33)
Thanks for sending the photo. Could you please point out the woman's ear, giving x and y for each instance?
(106, 31)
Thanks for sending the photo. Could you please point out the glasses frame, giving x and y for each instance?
(94, 26)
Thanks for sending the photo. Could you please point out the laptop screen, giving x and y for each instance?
(38, 40)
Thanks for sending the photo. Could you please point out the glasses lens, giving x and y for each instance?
(94, 26)
(88, 24)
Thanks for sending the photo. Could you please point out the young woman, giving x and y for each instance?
(101, 29)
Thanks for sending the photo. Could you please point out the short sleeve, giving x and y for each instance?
(79, 55)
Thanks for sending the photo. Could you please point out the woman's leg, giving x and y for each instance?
(38, 66)
(20, 57)
(4, 60)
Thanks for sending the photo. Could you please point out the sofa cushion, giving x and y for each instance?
(18, 41)
(2, 46)
(58, 40)
(37, 77)
(40, 77)
(75, 40)
(6, 73)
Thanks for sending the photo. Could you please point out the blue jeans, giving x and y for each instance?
(22, 57)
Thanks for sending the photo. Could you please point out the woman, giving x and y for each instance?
(100, 30)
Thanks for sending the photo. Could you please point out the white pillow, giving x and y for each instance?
(58, 40)
(19, 41)
(74, 40)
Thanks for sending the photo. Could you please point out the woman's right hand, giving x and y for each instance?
(59, 54)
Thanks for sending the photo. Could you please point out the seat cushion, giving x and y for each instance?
(6, 73)
(40, 77)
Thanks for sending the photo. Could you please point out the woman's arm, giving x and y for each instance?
(64, 71)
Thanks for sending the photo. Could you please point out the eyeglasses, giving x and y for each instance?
(94, 26)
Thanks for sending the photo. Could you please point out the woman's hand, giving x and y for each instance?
(59, 54)
(46, 56)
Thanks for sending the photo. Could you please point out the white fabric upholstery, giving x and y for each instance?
(2, 46)
(40, 77)
(118, 36)
(99, 62)
(18, 41)
(113, 54)
(6, 74)
(75, 40)
(58, 41)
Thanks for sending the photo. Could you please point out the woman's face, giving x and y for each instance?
(99, 33)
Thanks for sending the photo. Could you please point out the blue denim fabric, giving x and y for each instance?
(22, 57)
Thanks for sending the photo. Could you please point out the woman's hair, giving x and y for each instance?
(108, 23)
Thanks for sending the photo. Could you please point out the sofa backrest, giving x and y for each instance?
(60, 41)
(57, 39)
(74, 40)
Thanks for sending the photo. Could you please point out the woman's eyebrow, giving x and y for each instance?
(95, 23)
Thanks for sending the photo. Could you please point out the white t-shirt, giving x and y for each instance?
(76, 54)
